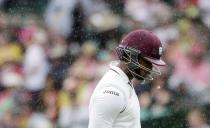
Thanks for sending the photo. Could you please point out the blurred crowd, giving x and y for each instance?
(50, 62)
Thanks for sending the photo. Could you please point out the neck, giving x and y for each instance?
(122, 66)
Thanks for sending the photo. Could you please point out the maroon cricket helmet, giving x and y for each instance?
(146, 43)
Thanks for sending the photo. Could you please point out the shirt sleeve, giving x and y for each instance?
(107, 105)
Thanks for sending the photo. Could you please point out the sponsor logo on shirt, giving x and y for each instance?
(111, 92)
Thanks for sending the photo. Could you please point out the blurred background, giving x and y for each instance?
(53, 52)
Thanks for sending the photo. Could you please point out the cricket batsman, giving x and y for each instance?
(114, 103)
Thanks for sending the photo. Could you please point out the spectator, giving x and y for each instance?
(62, 86)
(194, 72)
(35, 64)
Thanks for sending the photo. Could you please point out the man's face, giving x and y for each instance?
(145, 64)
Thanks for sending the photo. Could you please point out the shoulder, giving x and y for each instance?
(110, 92)
(109, 96)
(113, 79)
(111, 85)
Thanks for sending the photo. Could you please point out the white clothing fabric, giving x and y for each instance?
(58, 16)
(114, 103)
(39, 120)
(73, 117)
(35, 67)
(205, 11)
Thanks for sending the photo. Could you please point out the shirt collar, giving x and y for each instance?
(113, 66)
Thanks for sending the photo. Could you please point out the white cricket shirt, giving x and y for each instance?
(114, 103)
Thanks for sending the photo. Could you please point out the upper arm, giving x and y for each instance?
(106, 106)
